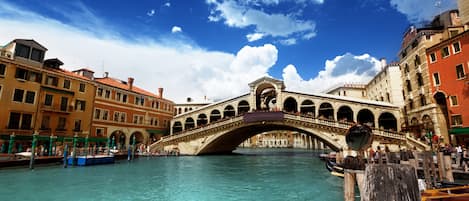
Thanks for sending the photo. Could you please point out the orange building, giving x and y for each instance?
(448, 65)
(38, 97)
(123, 112)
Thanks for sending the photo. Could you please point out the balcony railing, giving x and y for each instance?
(57, 108)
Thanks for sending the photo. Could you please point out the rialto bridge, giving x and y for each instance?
(220, 127)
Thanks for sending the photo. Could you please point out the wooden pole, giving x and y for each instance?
(441, 165)
(349, 186)
(390, 182)
(449, 173)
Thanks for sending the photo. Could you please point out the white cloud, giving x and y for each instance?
(346, 68)
(254, 36)
(176, 29)
(241, 15)
(151, 12)
(418, 11)
(182, 70)
(167, 4)
(276, 2)
(290, 41)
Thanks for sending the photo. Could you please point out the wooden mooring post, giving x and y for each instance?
(390, 182)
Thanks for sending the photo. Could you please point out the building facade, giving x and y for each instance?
(422, 116)
(38, 97)
(448, 66)
(124, 112)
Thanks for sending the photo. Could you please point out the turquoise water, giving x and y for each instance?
(259, 175)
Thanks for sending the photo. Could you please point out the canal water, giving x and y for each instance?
(253, 174)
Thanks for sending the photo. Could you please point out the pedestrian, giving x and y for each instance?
(459, 155)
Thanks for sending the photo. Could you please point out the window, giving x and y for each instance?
(345, 93)
(99, 92)
(77, 126)
(50, 80)
(63, 104)
(107, 94)
(436, 79)
(423, 100)
(22, 50)
(456, 120)
(97, 113)
(406, 68)
(460, 71)
(45, 123)
(124, 98)
(105, 114)
(140, 120)
(453, 33)
(2, 70)
(61, 124)
(135, 119)
(123, 117)
(453, 100)
(66, 84)
(21, 73)
(445, 52)
(37, 55)
(35, 77)
(432, 57)
(411, 104)
(82, 87)
(18, 95)
(419, 79)
(388, 98)
(48, 100)
(409, 86)
(30, 96)
(116, 116)
(456, 47)
(417, 60)
(99, 132)
(80, 105)
(118, 96)
(20, 121)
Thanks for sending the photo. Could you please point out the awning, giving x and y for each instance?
(459, 131)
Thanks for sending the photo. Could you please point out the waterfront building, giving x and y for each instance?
(421, 114)
(349, 89)
(38, 97)
(124, 112)
(283, 139)
(448, 66)
(189, 105)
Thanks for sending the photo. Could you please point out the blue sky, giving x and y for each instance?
(214, 48)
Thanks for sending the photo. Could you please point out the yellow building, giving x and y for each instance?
(37, 97)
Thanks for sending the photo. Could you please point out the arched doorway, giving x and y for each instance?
(177, 127)
(307, 108)
(266, 97)
(365, 116)
(189, 123)
(440, 99)
(326, 111)
(290, 105)
(229, 111)
(387, 121)
(345, 114)
(215, 116)
(138, 136)
(202, 120)
(243, 107)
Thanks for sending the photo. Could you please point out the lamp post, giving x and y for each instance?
(33, 150)
(11, 143)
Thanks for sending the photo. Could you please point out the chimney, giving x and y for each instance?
(160, 92)
(130, 82)
(106, 74)
(383, 63)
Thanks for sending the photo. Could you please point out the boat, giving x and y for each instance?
(92, 160)
(334, 168)
(457, 193)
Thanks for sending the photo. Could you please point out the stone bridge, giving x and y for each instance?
(220, 127)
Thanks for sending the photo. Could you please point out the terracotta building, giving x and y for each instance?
(38, 97)
(124, 112)
(448, 66)
(422, 114)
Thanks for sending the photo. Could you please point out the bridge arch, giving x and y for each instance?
(229, 111)
(365, 116)
(243, 107)
(215, 115)
(308, 108)
(226, 142)
(290, 105)
(117, 139)
(326, 111)
(345, 114)
(189, 123)
(387, 121)
(177, 127)
(202, 119)
(266, 96)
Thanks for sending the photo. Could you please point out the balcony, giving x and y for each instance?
(57, 108)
